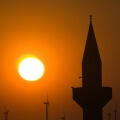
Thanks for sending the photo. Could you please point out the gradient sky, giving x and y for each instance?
(55, 31)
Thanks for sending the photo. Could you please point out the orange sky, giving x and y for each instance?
(55, 31)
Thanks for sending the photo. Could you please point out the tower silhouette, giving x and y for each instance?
(92, 97)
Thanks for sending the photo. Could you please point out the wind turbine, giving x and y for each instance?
(6, 113)
(115, 112)
(63, 117)
(47, 104)
(109, 115)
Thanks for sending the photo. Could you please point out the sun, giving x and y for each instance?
(31, 68)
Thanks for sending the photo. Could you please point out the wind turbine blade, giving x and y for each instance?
(47, 99)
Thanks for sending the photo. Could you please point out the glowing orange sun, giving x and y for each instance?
(31, 69)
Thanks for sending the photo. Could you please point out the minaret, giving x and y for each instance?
(92, 97)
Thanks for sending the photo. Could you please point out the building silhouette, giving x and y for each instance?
(92, 97)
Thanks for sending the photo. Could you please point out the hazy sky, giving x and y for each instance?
(55, 31)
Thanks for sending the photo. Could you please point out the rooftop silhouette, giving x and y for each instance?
(92, 97)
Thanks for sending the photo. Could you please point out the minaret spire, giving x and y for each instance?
(90, 18)
(91, 63)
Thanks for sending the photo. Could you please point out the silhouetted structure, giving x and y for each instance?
(46, 103)
(92, 97)
(115, 112)
(109, 115)
(63, 117)
(6, 114)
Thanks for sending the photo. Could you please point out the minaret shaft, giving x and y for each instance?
(95, 115)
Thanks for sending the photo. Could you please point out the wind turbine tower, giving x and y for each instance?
(63, 117)
(115, 112)
(109, 115)
(46, 104)
(6, 114)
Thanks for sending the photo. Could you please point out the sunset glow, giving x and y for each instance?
(42, 46)
(31, 69)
